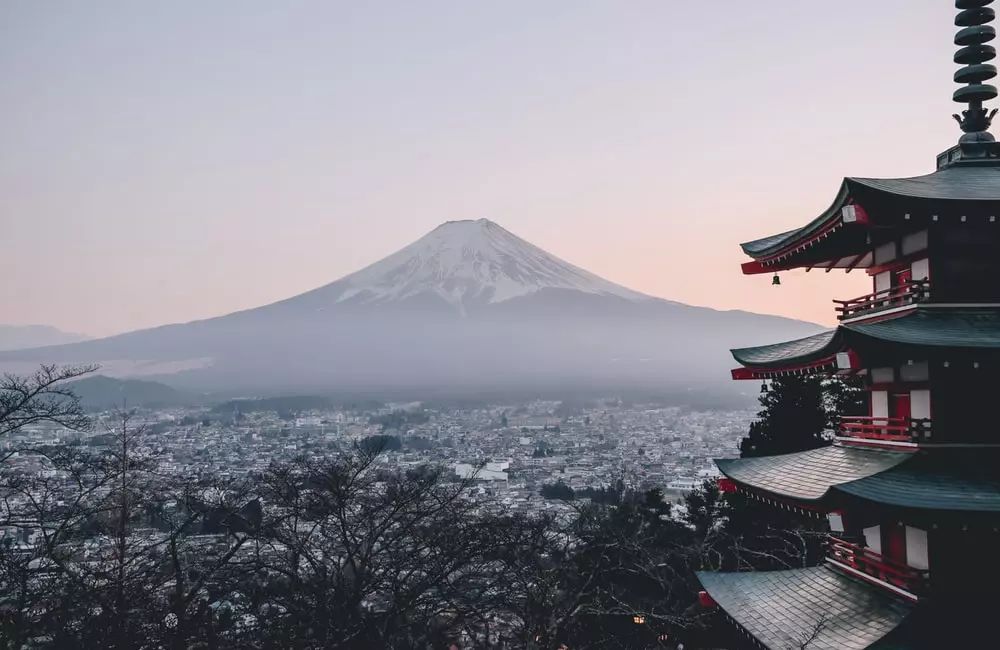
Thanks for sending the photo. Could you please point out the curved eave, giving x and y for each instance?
(941, 480)
(789, 354)
(825, 366)
(784, 250)
(809, 475)
(926, 326)
(953, 328)
(824, 242)
(952, 184)
(784, 609)
(774, 244)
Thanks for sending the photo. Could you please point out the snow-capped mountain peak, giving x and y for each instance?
(472, 261)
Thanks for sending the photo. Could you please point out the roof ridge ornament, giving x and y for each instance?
(973, 18)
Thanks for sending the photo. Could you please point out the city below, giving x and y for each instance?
(510, 451)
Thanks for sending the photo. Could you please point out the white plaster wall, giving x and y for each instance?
(873, 538)
(914, 242)
(920, 404)
(880, 404)
(883, 280)
(883, 375)
(916, 548)
(885, 253)
(918, 371)
(921, 269)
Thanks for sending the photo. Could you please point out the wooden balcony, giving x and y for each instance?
(867, 562)
(901, 295)
(883, 429)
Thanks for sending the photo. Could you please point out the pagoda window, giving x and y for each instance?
(902, 277)
(894, 542)
(920, 404)
(873, 538)
(914, 372)
(916, 548)
(914, 243)
(885, 253)
(883, 375)
(899, 405)
(879, 404)
(883, 281)
(920, 269)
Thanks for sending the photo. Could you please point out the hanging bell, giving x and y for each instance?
(775, 280)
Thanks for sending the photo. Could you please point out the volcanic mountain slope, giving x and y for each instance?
(467, 265)
(468, 305)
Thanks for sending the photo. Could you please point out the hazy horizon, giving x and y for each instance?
(170, 163)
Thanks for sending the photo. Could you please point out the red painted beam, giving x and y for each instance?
(782, 259)
(826, 364)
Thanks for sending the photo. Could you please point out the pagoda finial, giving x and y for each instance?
(973, 54)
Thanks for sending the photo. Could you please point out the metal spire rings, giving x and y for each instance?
(973, 53)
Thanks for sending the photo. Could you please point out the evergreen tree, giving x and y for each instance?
(798, 412)
(558, 490)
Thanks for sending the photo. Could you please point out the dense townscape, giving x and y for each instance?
(510, 450)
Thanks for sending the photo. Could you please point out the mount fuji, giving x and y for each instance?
(472, 262)
(468, 306)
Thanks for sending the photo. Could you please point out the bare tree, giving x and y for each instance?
(42, 397)
(358, 556)
(118, 558)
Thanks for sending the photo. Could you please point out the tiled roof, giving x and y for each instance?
(959, 183)
(808, 475)
(936, 326)
(950, 184)
(941, 479)
(816, 608)
(799, 350)
(766, 245)
(925, 325)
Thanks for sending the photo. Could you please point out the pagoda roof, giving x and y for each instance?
(766, 246)
(801, 350)
(825, 242)
(815, 606)
(809, 475)
(963, 183)
(943, 480)
(972, 327)
(923, 326)
(966, 480)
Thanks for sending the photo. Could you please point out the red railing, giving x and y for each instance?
(902, 294)
(883, 428)
(878, 566)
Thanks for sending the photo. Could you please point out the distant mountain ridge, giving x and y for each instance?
(467, 306)
(19, 337)
(99, 392)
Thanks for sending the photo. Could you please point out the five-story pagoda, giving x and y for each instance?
(911, 490)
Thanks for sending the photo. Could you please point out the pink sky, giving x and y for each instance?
(173, 162)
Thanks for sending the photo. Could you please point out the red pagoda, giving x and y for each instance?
(911, 491)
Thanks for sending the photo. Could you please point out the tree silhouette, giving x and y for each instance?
(799, 413)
